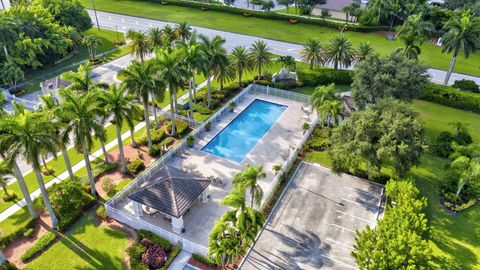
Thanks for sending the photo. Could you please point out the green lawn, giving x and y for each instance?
(106, 36)
(455, 240)
(299, 33)
(86, 246)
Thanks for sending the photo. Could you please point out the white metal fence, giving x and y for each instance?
(280, 93)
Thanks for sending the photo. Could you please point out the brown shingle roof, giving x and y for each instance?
(171, 191)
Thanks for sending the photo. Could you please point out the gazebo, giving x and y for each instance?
(171, 192)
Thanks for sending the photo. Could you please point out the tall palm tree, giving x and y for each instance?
(225, 73)
(139, 45)
(82, 112)
(30, 134)
(339, 52)
(121, 106)
(248, 178)
(140, 79)
(260, 56)
(50, 105)
(288, 62)
(92, 43)
(312, 53)
(5, 171)
(194, 60)
(240, 61)
(412, 34)
(183, 30)
(224, 242)
(330, 109)
(7, 34)
(363, 51)
(462, 34)
(155, 39)
(173, 73)
(82, 80)
(216, 56)
(323, 100)
(18, 109)
(169, 34)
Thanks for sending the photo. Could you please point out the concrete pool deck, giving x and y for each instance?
(272, 149)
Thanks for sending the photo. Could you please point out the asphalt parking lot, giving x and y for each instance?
(314, 224)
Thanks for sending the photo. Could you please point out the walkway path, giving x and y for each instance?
(124, 23)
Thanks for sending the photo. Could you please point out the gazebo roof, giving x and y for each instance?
(171, 191)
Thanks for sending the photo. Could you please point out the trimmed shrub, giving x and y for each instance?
(157, 135)
(463, 138)
(287, 85)
(69, 199)
(319, 140)
(28, 233)
(154, 257)
(181, 127)
(154, 150)
(208, 126)
(41, 245)
(442, 146)
(451, 97)
(166, 142)
(108, 186)
(324, 76)
(6, 239)
(171, 257)
(135, 167)
(103, 167)
(466, 85)
(155, 239)
(190, 140)
(201, 109)
(102, 212)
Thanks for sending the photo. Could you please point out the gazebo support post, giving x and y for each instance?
(205, 196)
(177, 224)
(137, 208)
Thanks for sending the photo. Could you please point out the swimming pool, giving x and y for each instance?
(236, 140)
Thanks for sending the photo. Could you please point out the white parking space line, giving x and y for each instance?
(359, 218)
(339, 243)
(341, 227)
(364, 192)
(340, 262)
(364, 204)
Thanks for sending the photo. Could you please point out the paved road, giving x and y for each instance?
(124, 23)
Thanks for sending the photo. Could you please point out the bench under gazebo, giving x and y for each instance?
(170, 192)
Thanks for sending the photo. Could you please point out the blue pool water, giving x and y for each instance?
(243, 133)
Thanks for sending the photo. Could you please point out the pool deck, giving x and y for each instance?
(271, 150)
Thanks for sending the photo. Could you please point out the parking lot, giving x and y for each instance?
(314, 224)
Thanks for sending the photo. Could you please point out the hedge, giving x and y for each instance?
(39, 246)
(324, 76)
(135, 167)
(452, 97)
(181, 127)
(204, 260)
(271, 15)
(8, 238)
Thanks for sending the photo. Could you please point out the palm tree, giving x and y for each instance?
(7, 34)
(224, 243)
(194, 60)
(468, 169)
(323, 99)
(411, 46)
(82, 112)
(462, 34)
(139, 44)
(82, 81)
(312, 53)
(51, 105)
(225, 73)
(173, 73)
(141, 80)
(339, 51)
(412, 34)
(248, 178)
(183, 30)
(154, 37)
(240, 61)
(330, 109)
(92, 43)
(121, 105)
(30, 134)
(288, 62)
(363, 51)
(260, 56)
(216, 56)
(5, 171)
(169, 34)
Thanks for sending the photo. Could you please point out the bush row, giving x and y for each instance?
(324, 76)
(271, 15)
(39, 246)
(181, 127)
(452, 97)
(204, 260)
(6, 239)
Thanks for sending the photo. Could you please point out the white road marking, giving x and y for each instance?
(109, 18)
(362, 219)
(364, 192)
(343, 228)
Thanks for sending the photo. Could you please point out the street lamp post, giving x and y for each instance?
(96, 16)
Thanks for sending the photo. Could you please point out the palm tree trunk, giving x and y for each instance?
(4, 187)
(147, 122)
(23, 187)
(67, 162)
(190, 97)
(132, 135)
(450, 69)
(208, 91)
(155, 119)
(175, 101)
(46, 200)
(194, 88)
(252, 190)
(2, 257)
(89, 170)
(172, 115)
(240, 78)
(6, 51)
(104, 150)
(120, 148)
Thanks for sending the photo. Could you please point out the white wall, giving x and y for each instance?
(6, 3)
